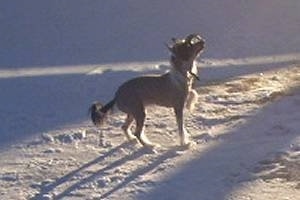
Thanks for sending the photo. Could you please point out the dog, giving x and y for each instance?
(172, 89)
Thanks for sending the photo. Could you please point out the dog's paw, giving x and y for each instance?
(188, 145)
(149, 150)
(133, 141)
(145, 141)
(131, 138)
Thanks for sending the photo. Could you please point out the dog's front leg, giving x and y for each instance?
(192, 99)
(182, 132)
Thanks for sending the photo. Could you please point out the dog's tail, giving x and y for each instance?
(99, 112)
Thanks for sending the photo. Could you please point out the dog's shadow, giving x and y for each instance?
(136, 154)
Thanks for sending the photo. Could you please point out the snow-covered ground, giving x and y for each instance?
(246, 130)
(58, 57)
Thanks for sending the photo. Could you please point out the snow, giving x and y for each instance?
(57, 57)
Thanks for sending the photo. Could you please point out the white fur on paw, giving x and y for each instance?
(130, 137)
(146, 142)
(188, 144)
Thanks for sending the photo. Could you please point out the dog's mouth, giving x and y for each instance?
(199, 45)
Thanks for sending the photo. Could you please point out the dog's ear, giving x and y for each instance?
(175, 40)
(169, 47)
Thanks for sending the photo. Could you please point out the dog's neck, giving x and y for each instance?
(179, 76)
(181, 66)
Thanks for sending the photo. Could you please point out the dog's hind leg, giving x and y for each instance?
(139, 132)
(126, 127)
(182, 132)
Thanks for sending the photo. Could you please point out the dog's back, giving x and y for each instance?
(160, 90)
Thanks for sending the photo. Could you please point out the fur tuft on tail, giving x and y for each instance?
(99, 112)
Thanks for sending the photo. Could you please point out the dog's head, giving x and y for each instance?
(188, 48)
(186, 51)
